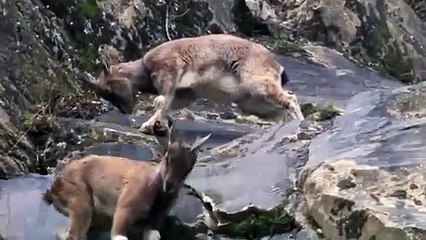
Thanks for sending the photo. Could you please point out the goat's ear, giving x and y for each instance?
(107, 57)
(199, 142)
(105, 64)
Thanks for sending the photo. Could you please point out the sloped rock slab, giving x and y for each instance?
(365, 177)
(253, 174)
(187, 130)
(23, 215)
(332, 78)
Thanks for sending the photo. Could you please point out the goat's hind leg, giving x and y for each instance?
(267, 98)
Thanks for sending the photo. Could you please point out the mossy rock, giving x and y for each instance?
(319, 112)
(378, 48)
(260, 225)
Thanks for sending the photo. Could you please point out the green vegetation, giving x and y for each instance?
(320, 112)
(257, 226)
(88, 9)
(279, 46)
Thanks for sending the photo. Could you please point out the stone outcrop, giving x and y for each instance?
(31, 41)
(366, 175)
(388, 35)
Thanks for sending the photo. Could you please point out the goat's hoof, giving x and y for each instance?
(153, 235)
(157, 129)
(119, 237)
(147, 127)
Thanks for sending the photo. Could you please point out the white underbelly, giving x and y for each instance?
(212, 85)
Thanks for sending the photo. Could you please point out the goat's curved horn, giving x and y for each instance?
(105, 63)
(199, 142)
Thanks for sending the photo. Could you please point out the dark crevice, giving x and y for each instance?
(245, 22)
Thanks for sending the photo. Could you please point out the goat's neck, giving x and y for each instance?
(142, 80)
(157, 179)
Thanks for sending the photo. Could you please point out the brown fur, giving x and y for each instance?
(219, 67)
(129, 191)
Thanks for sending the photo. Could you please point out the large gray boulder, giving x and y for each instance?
(365, 177)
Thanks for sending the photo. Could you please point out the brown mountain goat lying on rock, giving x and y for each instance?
(130, 191)
(219, 67)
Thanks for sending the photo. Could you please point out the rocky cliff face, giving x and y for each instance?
(47, 114)
(388, 35)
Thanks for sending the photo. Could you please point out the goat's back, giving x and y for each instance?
(203, 51)
(101, 178)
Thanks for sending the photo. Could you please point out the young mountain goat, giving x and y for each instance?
(129, 191)
(219, 67)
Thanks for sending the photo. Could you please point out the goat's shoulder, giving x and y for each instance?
(166, 54)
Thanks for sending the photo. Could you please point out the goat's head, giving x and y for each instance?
(115, 83)
(178, 161)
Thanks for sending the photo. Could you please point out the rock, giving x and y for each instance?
(364, 175)
(266, 161)
(17, 152)
(57, 137)
(228, 115)
(26, 216)
(391, 34)
(332, 79)
(35, 63)
(388, 35)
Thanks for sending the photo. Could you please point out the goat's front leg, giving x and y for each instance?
(80, 214)
(122, 219)
(132, 205)
(162, 105)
